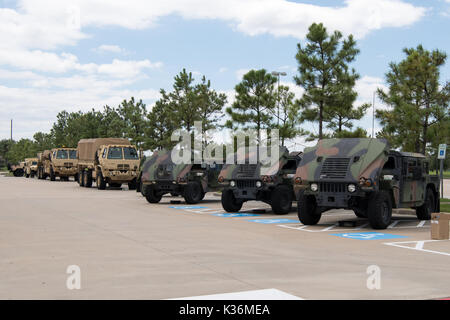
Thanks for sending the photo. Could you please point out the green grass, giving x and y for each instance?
(446, 174)
(445, 207)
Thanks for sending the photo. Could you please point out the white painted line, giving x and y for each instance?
(421, 223)
(330, 227)
(418, 246)
(393, 224)
(265, 294)
(362, 226)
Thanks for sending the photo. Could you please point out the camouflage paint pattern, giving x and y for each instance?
(365, 157)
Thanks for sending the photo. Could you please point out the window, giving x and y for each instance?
(115, 153)
(72, 154)
(61, 154)
(290, 165)
(390, 164)
(104, 153)
(130, 153)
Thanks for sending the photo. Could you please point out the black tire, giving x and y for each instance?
(151, 195)
(143, 189)
(132, 185)
(380, 210)
(27, 175)
(307, 210)
(52, 174)
(32, 175)
(229, 202)
(281, 200)
(88, 179)
(81, 178)
(100, 181)
(193, 193)
(424, 211)
(75, 177)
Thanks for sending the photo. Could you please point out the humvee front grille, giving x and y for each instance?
(332, 187)
(68, 164)
(123, 167)
(247, 170)
(335, 168)
(243, 184)
(165, 185)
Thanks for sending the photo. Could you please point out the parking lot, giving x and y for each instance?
(127, 248)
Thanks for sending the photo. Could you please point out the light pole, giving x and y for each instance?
(373, 115)
(278, 74)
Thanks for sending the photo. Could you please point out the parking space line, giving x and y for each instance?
(418, 246)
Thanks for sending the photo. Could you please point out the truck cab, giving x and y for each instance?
(30, 167)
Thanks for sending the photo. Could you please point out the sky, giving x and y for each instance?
(82, 54)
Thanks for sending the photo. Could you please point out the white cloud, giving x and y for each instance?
(109, 48)
(366, 87)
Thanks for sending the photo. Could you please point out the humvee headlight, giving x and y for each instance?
(351, 188)
(314, 187)
(258, 184)
(232, 183)
(199, 174)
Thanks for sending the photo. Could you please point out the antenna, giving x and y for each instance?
(373, 115)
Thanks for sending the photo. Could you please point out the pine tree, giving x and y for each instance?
(325, 76)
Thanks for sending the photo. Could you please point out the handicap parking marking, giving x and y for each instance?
(367, 235)
(273, 221)
(236, 215)
(397, 224)
(417, 245)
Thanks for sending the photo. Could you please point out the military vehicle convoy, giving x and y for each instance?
(245, 182)
(18, 170)
(160, 176)
(111, 161)
(58, 162)
(363, 175)
(30, 168)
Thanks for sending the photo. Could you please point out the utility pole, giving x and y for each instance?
(11, 129)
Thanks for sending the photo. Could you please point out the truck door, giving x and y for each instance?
(213, 174)
(412, 173)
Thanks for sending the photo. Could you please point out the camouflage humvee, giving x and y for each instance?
(17, 170)
(30, 168)
(244, 182)
(363, 175)
(160, 175)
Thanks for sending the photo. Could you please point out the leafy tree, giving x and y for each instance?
(288, 120)
(357, 133)
(183, 100)
(255, 102)
(24, 148)
(111, 124)
(325, 75)
(161, 124)
(418, 105)
(43, 141)
(134, 118)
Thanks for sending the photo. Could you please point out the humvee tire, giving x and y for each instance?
(101, 182)
(307, 210)
(151, 196)
(380, 210)
(75, 177)
(193, 193)
(52, 175)
(81, 178)
(87, 179)
(360, 213)
(229, 202)
(281, 200)
(132, 185)
(424, 212)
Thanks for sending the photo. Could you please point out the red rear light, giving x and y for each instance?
(298, 180)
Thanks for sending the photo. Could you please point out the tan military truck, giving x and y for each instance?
(30, 167)
(58, 162)
(18, 170)
(112, 161)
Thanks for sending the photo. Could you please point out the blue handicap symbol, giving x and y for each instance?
(235, 215)
(368, 235)
(187, 207)
(441, 152)
(269, 221)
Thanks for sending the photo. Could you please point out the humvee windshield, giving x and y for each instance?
(115, 153)
(34, 163)
(130, 153)
(72, 154)
(61, 154)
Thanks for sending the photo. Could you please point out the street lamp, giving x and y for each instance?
(278, 75)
